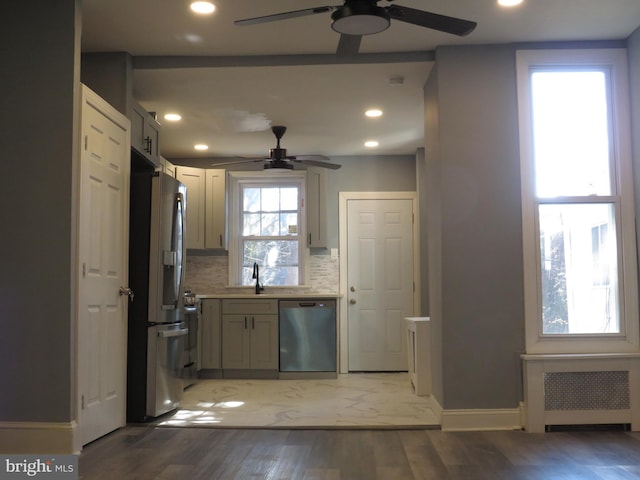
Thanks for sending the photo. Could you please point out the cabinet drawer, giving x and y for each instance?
(244, 306)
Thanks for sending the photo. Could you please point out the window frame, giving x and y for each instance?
(238, 179)
(614, 62)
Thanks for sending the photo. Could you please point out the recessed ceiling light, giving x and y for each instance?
(201, 147)
(173, 117)
(373, 112)
(203, 8)
(509, 3)
(371, 143)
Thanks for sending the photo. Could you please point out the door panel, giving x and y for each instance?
(264, 342)
(102, 250)
(380, 282)
(235, 341)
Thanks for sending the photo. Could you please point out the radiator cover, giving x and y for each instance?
(608, 390)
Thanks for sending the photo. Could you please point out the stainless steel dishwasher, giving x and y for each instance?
(308, 338)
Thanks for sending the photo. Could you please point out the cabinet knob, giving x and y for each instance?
(353, 289)
(352, 301)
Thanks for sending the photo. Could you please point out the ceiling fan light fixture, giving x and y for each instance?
(360, 20)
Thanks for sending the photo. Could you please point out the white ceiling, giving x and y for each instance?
(286, 72)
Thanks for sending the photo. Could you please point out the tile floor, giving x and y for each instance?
(361, 400)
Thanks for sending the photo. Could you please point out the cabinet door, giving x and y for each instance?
(236, 341)
(210, 335)
(215, 209)
(152, 139)
(169, 168)
(145, 134)
(138, 116)
(194, 180)
(316, 207)
(264, 342)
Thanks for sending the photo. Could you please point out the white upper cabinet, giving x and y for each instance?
(206, 206)
(169, 168)
(145, 134)
(215, 209)
(194, 180)
(316, 207)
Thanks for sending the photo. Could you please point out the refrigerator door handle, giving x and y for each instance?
(177, 244)
(173, 333)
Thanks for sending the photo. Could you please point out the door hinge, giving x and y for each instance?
(86, 142)
(82, 402)
(84, 269)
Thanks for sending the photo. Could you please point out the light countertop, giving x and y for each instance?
(275, 296)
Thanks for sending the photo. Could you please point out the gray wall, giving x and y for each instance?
(37, 136)
(110, 75)
(430, 223)
(473, 158)
(633, 50)
(365, 174)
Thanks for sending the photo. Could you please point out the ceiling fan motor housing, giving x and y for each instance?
(278, 164)
(360, 18)
(278, 153)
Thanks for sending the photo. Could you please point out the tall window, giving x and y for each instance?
(577, 202)
(266, 228)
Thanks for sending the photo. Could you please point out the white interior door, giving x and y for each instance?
(103, 250)
(379, 281)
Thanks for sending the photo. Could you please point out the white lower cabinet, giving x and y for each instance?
(250, 334)
(210, 334)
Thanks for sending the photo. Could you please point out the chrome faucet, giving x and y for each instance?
(256, 275)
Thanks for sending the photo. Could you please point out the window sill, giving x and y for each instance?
(576, 356)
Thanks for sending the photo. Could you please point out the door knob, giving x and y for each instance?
(127, 291)
(352, 301)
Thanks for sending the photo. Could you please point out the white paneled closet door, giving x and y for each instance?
(103, 259)
(380, 283)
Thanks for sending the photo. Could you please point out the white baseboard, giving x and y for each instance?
(39, 438)
(481, 419)
(436, 408)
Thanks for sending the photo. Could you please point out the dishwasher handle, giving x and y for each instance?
(307, 304)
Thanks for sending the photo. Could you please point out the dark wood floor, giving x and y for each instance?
(140, 452)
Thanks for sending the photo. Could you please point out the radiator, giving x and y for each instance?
(581, 390)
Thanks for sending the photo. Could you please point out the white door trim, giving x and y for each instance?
(343, 199)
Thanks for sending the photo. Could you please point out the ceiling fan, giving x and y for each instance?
(278, 157)
(364, 17)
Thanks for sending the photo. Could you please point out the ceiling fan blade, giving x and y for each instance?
(240, 160)
(284, 15)
(349, 45)
(315, 163)
(307, 157)
(454, 26)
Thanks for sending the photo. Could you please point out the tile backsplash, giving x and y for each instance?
(208, 275)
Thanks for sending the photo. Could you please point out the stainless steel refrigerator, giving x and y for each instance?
(157, 331)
